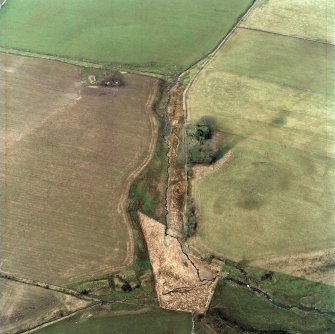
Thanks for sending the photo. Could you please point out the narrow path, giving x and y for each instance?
(47, 286)
(51, 322)
(122, 205)
(65, 291)
(287, 35)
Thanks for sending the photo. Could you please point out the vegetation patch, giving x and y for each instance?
(148, 321)
(252, 300)
(314, 19)
(122, 33)
(247, 311)
(274, 196)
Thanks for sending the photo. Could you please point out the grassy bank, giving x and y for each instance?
(252, 300)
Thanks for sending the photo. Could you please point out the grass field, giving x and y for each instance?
(66, 168)
(271, 97)
(24, 306)
(147, 322)
(121, 31)
(314, 19)
(250, 312)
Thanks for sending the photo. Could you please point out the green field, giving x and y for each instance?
(68, 155)
(149, 322)
(160, 36)
(249, 312)
(271, 98)
(313, 19)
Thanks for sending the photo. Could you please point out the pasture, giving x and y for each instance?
(142, 322)
(312, 19)
(120, 32)
(70, 154)
(271, 97)
(24, 306)
(254, 313)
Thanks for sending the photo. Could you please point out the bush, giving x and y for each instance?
(199, 146)
(190, 225)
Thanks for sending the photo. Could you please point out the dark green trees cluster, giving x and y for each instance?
(199, 146)
(190, 223)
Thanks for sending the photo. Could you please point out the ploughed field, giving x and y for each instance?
(69, 152)
(272, 98)
(25, 306)
(120, 32)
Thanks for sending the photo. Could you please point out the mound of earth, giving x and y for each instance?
(183, 282)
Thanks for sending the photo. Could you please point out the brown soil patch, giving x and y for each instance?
(183, 282)
(318, 266)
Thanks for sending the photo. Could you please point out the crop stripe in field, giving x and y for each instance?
(287, 35)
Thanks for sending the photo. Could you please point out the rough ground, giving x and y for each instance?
(318, 266)
(177, 185)
(183, 282)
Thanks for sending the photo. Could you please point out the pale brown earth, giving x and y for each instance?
(70, 153)
(24, 306)
(183, 282)
(318, 266)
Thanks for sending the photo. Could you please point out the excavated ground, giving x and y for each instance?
(183, 282)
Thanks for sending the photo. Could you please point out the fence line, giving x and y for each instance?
(3, 3)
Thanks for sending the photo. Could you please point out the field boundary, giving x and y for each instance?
(207, 59)
(286, 35)
(81, 63)
(47, 286)
(54, 321)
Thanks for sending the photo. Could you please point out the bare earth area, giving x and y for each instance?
(70, 153)
(183, 282)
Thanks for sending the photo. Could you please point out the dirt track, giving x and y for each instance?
(124, 196)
